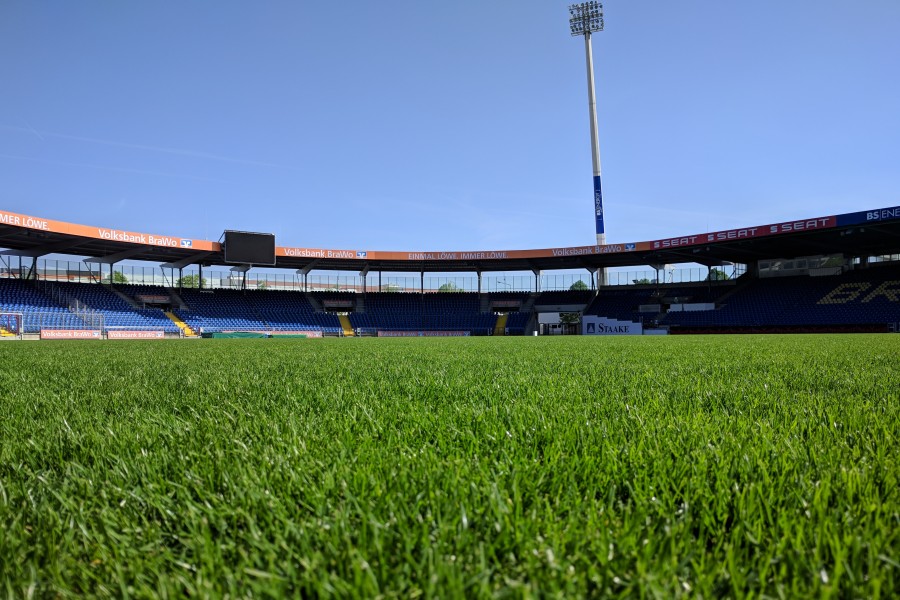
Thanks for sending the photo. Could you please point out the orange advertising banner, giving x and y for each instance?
(461, 255)
(104, 233)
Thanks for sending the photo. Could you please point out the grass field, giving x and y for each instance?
(653, 467)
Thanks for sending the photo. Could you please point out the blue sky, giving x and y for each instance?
(404, 125)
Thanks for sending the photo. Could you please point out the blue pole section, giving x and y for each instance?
(598, 206)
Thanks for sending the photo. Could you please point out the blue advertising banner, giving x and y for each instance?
(598, 204)
(869, 216)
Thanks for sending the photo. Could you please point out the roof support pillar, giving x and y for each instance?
(180, 264)
(112, 259)
(243, 270)
(53, 248)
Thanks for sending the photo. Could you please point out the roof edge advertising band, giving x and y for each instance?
(190, 244)
(105, 233)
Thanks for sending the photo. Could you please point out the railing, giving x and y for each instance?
(34, 321)
(79, 272)
(50, 271)
(88, 315)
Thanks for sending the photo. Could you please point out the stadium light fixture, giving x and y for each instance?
(586, 18)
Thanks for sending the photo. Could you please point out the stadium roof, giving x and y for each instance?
(865, 233)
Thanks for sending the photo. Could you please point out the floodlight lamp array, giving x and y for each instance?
(586, 17)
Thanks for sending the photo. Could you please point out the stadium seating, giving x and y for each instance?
(624, 303)
(117, 313)
(566, 297)
(291, 311)
(517, 322)
(442, 311)
(621, 304)
(254, 310)
(137, 291)
(39, 311)
(219, 310)
(863, 298)
(508, 296)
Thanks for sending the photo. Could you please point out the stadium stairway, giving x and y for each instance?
(346, 326)
(314, 302)
(184, 327)
(131, 301)
(528, 306)
(500, 327)
(176, 299)
(485, 303)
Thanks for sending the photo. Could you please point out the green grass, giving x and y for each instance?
(638, 467)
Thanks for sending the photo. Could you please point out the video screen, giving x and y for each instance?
(245, 248)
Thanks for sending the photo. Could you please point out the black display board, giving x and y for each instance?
(245, 248)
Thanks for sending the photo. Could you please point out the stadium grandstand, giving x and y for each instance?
(834, 273)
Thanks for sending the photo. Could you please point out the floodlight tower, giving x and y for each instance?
(584, 19)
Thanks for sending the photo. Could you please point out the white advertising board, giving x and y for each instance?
(593, 325)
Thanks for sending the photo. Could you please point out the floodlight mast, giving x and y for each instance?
(584, 19)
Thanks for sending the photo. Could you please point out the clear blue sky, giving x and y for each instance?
(402, 125)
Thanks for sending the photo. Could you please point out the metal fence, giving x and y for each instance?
(49, 270)
(34, 322)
